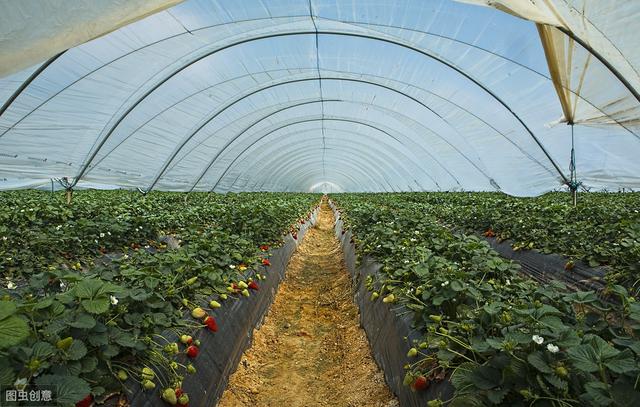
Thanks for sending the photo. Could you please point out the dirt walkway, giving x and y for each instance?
(311, 351)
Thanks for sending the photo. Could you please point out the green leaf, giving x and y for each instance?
(584, 358)
(536, 359)
(623, 362)
(485, 377)
(557, 382)
(45, 303)
(624, 394)
(13, 330)
(88, 288)
(496, 396)
(493, 308)
(7, 308)
(77, 350)
(69, 389)
(96, 306)
(603, 349)
(7, 376)
(42, 350)
(598, 393)
(84, 321)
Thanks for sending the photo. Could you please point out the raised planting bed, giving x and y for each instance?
(389, 329)
(220, 352)
(495, 335)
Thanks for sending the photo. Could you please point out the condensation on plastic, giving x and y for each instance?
(243, 109)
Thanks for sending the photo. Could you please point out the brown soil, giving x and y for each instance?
(311, 351)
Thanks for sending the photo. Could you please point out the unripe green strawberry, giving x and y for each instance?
(223, 296)
(64, 344)
(186, 339)
(198, 313)
(389, 299)
(374, 296)
(196, 342)
(148, 373)
(173, 365)
(434, 403)
(191, 369)
(230, 289)
(183, 399)
(185, 302)
(245, 292)
(192, 280)
(148, 384)
(413, 352)
(423, 345)
(242, 284)
(436, 318)
(122, 375)
(214, 304)
(34, 364)
(562, 371)
(169, 395)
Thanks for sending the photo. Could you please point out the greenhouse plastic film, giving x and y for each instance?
(221, 351)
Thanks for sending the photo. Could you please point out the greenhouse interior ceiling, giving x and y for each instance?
(515, 96)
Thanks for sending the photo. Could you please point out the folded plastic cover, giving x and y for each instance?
(294, 95)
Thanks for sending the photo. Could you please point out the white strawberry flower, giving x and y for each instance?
(113, 299)
(553, 348)
(58, 227)
(231, 266)
(11, 285)
(101, 235)
(537, 339)
(446, 283)
(62, 285)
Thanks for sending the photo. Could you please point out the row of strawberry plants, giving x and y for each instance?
(603, 230)
(499, 337)
(90, 330)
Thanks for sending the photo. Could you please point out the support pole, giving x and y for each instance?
(573, 183)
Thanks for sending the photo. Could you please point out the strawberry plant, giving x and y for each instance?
(92, 300)
(499, 337)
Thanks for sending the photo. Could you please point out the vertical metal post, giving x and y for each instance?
(573, 183)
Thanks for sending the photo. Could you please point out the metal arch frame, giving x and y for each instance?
(275, 144)
(101, 143)
(589, 49)
(236, 137)
(460, 108)
(98, 161)
(260, 165)
(340, 157)
(295, 167)
(278, 83)
(357, 169)
(311, 153)
(279, 128)
(330, 160)
(305, 144)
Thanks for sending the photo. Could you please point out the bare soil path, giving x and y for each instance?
(311, 351)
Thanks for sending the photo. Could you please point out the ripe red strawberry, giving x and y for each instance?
(264, 247)
(179, 392)
(211, 323)
(266, 262)
(253, 285)
(295, 235)
(192, 351)
(85, 402)
(420, 383)
(235, 286)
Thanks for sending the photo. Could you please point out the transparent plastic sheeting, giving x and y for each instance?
(295, 95)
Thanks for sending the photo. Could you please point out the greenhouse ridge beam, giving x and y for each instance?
(104, 138)
(280, 128)
(218, 112)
